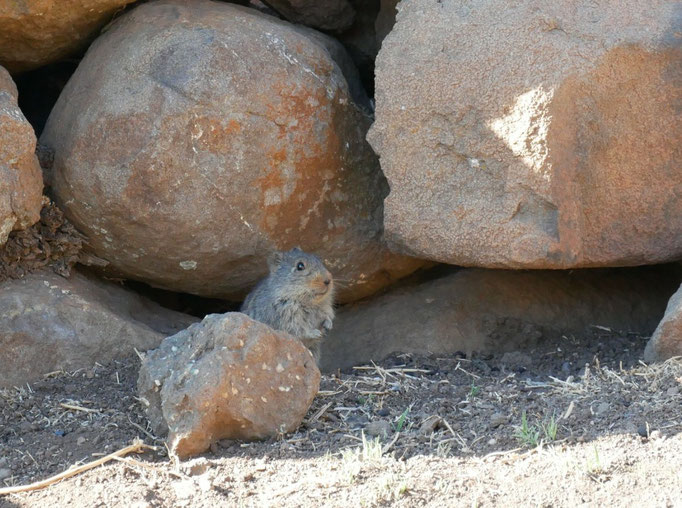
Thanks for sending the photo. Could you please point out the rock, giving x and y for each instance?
(228, 377)
(602, 409)
(329, 15)
(498, 419)
(550, 139)
(495, 311)
(21, 181)
(429, 425)
(49, 323)
(666, 341)
(184, 175)
(5, 473)
(378, 428)
(35, 33)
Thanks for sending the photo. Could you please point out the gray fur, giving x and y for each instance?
(295, 301)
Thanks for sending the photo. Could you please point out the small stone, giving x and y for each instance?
(672, 391)
(383, 412)
(498, 419)
(602, 408)
(429, 425)
(80, 441)
(380, 428)
(492, 441)
(644, 430)
(5, 473)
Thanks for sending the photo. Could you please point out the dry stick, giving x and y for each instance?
(79, 408)
(133, 448)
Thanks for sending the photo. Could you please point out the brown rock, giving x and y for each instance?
(37, 32)
(666, 341)
(228, 377)
(49, 323)
(330, 15)
(21, 182)
(495, 311)
(532, 135)
(184, 174)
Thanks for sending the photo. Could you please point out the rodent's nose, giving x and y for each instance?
(327, 282)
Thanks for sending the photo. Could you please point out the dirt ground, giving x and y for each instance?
(570, 423)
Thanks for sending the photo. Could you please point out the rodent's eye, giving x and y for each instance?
(300, 266)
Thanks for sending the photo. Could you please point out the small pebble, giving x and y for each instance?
(492, 441)
(602, 408)
(5, 473)
(80, 441)
(429, 425)
(498, 419)
(644, 430)
(383, 412)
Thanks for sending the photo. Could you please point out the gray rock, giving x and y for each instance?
(532, 134)
(498, 419)
(495, 311)
(227, 377)
(49, 323)
(666, 341)
(5, 473)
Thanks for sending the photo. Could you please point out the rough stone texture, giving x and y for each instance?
(49, 323)
(229, 135)
(52, 241)
(666, 341)
(496, 310)
(532, 134)
(228, 377)
(21, 182)
(37, 32)
(330, 15)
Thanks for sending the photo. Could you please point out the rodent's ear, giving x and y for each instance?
(297, 250)
(274, 260)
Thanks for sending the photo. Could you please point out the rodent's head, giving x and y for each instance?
(302, 275)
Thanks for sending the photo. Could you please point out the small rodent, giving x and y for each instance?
(296, 297)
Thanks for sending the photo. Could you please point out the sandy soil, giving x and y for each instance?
(600, 428)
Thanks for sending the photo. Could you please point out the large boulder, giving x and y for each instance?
(532, 134)
(196, 138)
(37, 32)
(228, 377)
(21, 181)
(479, 310)
(50, 323)
(666, 341)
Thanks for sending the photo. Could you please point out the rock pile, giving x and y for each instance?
(195, 138)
